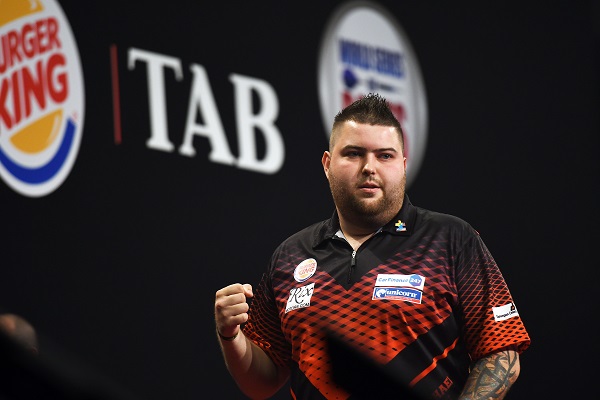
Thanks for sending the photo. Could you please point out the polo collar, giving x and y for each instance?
(403, 224)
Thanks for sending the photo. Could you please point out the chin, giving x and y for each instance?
(371, 206)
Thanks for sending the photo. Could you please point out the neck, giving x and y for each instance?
(355, 234)
(359, 225)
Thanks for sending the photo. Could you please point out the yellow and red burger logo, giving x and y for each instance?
(41, 96)
(305, 269)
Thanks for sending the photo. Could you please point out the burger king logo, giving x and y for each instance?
(41, 96)
(305, 269)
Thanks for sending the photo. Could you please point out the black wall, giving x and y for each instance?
(118, 268)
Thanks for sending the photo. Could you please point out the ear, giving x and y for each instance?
(326, 161)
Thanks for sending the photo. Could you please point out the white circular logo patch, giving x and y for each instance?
(41, 96)
(364, 50)
(305, 269)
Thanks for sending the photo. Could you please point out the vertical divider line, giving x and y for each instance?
(116, 94)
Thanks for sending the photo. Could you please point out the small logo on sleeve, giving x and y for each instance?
(505, 312)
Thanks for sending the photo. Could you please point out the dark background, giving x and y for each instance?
(118, 268)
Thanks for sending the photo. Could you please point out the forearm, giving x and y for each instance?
(253, 371)
(491, 377)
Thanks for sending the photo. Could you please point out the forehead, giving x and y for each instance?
(352, 133)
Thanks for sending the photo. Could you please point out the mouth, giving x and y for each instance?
(369, 187)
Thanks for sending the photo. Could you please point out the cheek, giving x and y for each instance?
(346, 175)
(393, 176)
(339, 169)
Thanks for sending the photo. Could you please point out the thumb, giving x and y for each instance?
(248, 290)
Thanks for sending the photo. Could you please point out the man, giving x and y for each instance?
(415, 291)
(19, 330)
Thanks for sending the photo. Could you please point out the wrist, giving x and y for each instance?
(228, 338)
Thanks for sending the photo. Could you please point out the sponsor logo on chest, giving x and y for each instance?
(299, 297)
(399, 287)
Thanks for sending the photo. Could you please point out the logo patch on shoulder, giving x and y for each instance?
(305, 269)
(300, 297)
(505, 312)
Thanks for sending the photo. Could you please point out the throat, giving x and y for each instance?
(356, 240)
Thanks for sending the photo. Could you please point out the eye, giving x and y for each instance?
(386, 156)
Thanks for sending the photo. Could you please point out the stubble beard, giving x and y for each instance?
(362, 211)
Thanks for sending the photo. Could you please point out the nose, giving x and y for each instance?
(367, 169)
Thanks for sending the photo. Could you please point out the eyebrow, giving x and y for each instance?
(380, 150)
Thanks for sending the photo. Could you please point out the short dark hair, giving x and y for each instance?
(371, 109)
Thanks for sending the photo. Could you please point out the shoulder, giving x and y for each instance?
(297, 247)
(447, 230)
(428, 221)
(308, 235)
(425, 216)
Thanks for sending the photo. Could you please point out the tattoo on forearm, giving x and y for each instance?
(492, 376)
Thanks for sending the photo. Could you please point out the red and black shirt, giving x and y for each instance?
(423, 298)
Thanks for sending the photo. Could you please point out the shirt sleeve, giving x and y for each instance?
(264, 327)
(491, 319)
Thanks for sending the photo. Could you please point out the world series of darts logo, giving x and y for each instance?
(41, 96)
(364, 49)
